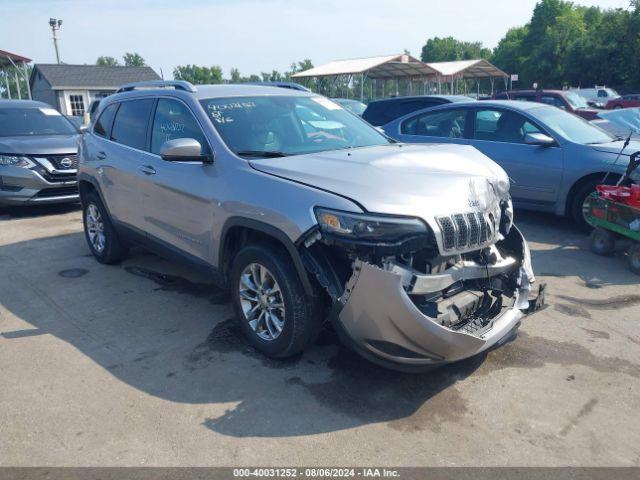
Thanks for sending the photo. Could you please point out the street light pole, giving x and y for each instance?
(55, 25)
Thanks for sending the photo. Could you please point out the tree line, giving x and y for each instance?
(562, 45)
(129, 60)
(213, 74)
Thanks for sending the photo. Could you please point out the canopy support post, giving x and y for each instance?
(6, 82)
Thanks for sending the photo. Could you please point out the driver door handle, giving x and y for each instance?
(148, 170)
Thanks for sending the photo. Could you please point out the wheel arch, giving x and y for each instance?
(86, 185)
(581, 182)
(239, 231)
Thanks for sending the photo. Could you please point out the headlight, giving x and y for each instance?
(15, 161)
(501, 188)
(506, 216)
(368, 227)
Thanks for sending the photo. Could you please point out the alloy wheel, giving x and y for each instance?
(95, 228)
(262, 301)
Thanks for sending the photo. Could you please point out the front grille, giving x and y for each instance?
(57, 192)
(58, 177)
(462, 231)
(57, 160)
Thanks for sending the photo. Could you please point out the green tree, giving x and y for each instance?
(198, 75)
(107, 61)
(235, 76)
(133, 60)
(449, 49)
(509, 54)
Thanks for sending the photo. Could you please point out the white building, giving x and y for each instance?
(71, 88)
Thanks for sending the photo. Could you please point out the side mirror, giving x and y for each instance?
(184, 150)
(539, 139)
(83, 128)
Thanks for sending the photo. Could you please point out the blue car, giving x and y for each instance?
(554, 159)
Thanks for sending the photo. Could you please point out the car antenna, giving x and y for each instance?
(626, 144)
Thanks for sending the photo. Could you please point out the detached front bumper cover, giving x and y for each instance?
(382, 321)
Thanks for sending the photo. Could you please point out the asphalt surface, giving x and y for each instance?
(142, 364)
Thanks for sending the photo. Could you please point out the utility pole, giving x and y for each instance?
(55, 25)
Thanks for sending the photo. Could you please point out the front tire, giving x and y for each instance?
(275, 313)
(101, 236)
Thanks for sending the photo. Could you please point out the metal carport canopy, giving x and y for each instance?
(467, 69)
(10, 61)
(386, 67)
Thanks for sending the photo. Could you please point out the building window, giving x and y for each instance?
(77, 105)
(99, 95)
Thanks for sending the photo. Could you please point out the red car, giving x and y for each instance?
(566, 100)
(625, 101)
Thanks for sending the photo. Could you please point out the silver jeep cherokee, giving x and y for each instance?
(304, 212)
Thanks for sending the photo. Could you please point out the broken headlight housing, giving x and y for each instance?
(368, 227)
(506, 216)
(15, 161)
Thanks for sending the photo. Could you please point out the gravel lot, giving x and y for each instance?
(141, 364)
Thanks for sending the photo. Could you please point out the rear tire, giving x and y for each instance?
(633, 258)
(262, 278)
(102, 238)
(603, 242)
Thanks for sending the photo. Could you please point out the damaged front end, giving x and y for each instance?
(409, 294)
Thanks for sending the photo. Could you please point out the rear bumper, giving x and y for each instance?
(380, 319)
(21, 186)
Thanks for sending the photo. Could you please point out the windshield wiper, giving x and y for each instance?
(261, 153)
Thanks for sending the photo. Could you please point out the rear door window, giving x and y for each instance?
(104, 123)
(130, 125)
(173, 120)
(444, 124)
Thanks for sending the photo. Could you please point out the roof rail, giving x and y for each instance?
(177, 84)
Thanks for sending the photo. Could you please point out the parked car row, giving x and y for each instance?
(564, 99)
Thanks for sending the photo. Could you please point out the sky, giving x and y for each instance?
(252, 35)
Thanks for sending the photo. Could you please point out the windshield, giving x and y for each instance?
(576, 100)
(15, 122)
(287, 125)
(572, 127)
(627, 119)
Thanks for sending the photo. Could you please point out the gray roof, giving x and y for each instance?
(91, 76)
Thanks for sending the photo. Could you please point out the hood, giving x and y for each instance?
(39, 144)
(415, 180)
(615, 147)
